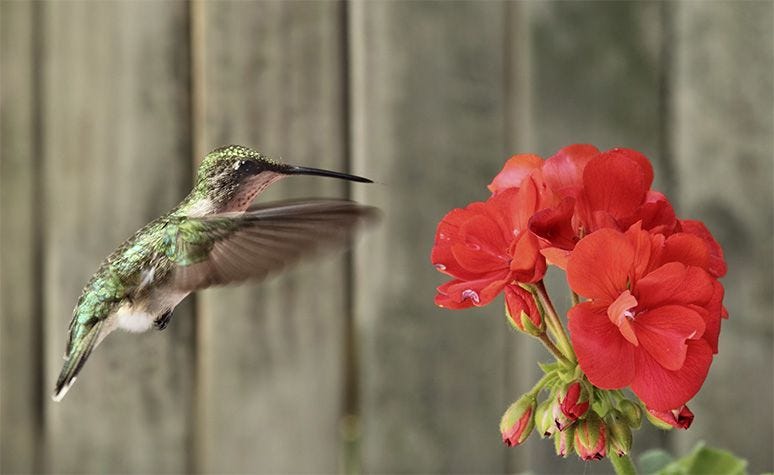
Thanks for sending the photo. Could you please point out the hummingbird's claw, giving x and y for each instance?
(162, 322)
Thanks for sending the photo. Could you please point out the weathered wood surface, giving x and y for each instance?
(427, 98)
(20, 319)
(428, 124)
(272, 354)
(724, 137)
(116, 154)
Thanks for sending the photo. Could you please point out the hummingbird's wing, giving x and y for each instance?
(232, 247)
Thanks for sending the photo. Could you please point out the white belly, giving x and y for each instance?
(133, 320)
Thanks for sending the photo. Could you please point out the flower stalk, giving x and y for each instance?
(554, 324)
(623, 465)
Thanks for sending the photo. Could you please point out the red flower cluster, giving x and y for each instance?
(653, 304)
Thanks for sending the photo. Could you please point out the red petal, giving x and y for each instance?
(657, 214)
(685, 248)
(674, 283)
(557, 257)
(614, 184)
(528, 265)
(663, 332)
(457, 293)
(640, 159)
(603, 354)
(662, 389)
(515, 170)
(717, 265)
(599, 266)
(555, 224)
(564, 171)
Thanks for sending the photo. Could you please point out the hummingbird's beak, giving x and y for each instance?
(294, 170)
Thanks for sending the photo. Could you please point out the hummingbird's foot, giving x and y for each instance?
(162, 322)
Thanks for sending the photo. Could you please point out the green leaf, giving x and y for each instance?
(702, 461)
(706, 460)
(654, 460)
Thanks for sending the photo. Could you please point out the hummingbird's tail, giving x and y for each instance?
(77, 355)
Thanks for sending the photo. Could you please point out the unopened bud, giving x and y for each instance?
(574, 400)
(590, 442)
(620, 437)
(544, 418)
(563, 441)
(522, 312)
(631, 412)
(518, 420)
(681, 418)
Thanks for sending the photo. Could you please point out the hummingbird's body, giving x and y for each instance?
(211, 238)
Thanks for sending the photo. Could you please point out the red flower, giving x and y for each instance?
(487, 245)
(680, 418)
(653, 315)
(604, 190)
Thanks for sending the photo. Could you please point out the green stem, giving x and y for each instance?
(553, 349)
(622, 465)
(540, 384)
(554, 323)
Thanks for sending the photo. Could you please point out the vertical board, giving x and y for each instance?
(20, 318)
(116, 155)
(272, 359)
(724, 137)
(429, 125)
(596, 77)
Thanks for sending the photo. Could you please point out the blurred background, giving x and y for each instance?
(344, 364)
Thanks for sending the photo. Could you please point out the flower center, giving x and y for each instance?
(621, 314)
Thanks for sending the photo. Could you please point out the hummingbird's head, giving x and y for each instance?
(230, 177)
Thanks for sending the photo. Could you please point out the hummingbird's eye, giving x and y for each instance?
(247, 167)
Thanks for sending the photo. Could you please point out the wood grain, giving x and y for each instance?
(116, 155)
(272, 354)
(20, 358)
(724, 137)
(429, 125)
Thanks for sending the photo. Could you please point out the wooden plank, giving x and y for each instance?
(273, 354)
(20, 358)
(595, 76)
(429, 125)
(117, 154)
(724, 137)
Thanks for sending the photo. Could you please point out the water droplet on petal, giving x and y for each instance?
(443, 237)
(440, 267)
(471, 294)
(474, 247)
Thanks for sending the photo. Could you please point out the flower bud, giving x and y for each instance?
(544, 419)
(590, 442)
(620, 437)
(563, 441)
(518, 420)
(574, 400)
(681, 418)
(561, 421)
(522, 312)
(631, 412)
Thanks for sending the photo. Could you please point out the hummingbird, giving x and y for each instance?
(213, 237)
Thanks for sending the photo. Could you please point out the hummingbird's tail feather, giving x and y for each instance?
(78, 354)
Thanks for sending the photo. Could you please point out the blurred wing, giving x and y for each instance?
(232, 247)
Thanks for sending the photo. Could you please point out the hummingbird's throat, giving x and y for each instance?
(249, 189)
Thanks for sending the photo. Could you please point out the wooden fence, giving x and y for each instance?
(345, 364)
